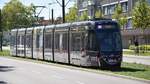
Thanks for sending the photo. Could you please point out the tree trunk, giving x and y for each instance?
(1, 41)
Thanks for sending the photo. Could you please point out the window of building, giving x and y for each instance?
(124, 7)
(148, 1)
(105, 10)
(84, 4)
(112, 9)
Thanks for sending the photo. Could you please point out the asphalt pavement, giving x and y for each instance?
(23, 72)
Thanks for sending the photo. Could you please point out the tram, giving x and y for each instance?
(87, 43)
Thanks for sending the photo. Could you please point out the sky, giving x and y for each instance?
(45, 12)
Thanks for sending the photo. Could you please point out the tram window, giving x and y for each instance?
(48, 41)
(92, 44)
(37, 41)
(13, 40)
(78, 38)
(117, 41)
(28, 41)
(57, 36)
(65, 41)
(18, 40)
(76, 41)
(22, 40)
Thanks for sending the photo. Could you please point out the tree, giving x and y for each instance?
(84, 16)
(123, 20)
(141, 15)
(72, 15)
(98, 14)
(119, 16)
(15, 14)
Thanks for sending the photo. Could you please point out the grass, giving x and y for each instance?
(133, 53)
(5, 53)
(134, 70)
(127, 69)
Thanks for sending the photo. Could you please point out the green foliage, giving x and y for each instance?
(118, 12)
(132, 52)
(122, 19)
(141, 15)
(141, 47)
(84, 16)
(15, 14)
(5, 53)
(72, 15)
(98, 14)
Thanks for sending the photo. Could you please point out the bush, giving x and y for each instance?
(141, 47)
(5, 53)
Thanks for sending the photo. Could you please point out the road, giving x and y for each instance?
(23, 72)
(137, 59)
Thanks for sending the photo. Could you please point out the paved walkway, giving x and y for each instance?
(137, 59)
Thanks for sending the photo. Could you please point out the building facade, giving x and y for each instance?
(107, 7)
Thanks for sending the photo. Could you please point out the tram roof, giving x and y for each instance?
(30, 28)
(50, 26)
(22, 29)
(39, 27)
(13, 30)
(81, 23)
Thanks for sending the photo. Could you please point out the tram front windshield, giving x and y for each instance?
(109, 41)
(105, 40)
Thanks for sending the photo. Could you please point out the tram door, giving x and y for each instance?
(48, 36)
(61, 45)
(13, 42)
(20, 42)
(28, 43)
(77, 44)
(38, 44)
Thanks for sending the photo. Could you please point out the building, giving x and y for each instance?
(108, 7)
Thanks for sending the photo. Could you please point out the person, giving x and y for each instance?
(136, 43)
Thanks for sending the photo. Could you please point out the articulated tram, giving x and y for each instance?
(86, 43)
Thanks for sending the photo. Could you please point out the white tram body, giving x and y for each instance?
(64, 43)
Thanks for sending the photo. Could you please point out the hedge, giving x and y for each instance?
(141, 47)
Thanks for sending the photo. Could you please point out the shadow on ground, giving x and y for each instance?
(126, 69)
(6, 69)
(3, 82)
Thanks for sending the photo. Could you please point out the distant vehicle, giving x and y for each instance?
(87, 43)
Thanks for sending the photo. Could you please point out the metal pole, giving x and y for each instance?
(44, 43)
(52, 16)
(49, 17)
(63, 10)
